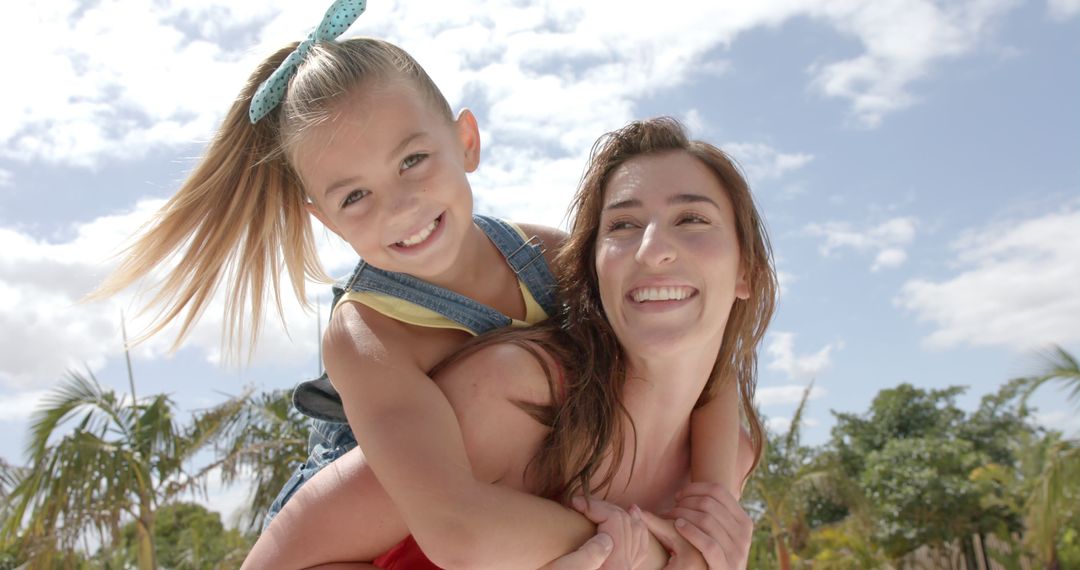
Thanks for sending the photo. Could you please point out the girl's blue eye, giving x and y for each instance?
(354, 196)
(412, 160)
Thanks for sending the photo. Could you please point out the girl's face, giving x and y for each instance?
(387, 174)
(667, 255)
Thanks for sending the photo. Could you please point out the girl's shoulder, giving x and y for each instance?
(361, 335)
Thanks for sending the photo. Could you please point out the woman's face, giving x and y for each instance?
(667, 255)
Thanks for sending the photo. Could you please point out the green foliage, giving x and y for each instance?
(188, 537)
(921, 492)
(99, 461)
(896, 413)
(261, 436)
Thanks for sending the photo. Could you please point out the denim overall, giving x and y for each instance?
(330, 436)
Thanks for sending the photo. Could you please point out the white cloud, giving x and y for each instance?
(786, 394)
(695, 123)
(5, 179)
(782, 350)
(1066, 423)
(886, 240)
(1016, 286)
(785, 279)
(45, 330)
(781, 424)
(902, 40)
(20, 406)
(762, 162)
(1063, 9)
(129, 77)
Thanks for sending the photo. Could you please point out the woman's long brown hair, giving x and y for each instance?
(587, 424)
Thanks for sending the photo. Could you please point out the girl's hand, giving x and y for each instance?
(630, 536)
(709, 518)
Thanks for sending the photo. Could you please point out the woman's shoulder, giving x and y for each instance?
(491, 390)
(509, 370)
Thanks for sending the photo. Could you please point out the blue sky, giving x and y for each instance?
(918, 164)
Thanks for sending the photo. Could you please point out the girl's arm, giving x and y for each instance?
(715, 438)
(343, 513)
(412, 439)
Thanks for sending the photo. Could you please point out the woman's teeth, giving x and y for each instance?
(420, 235)
(661, 294)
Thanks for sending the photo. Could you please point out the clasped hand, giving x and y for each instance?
(707, 528)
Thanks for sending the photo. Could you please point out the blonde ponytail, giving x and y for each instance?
(238, 218)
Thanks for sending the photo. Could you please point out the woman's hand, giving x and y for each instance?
(626, 528)
(707, 526)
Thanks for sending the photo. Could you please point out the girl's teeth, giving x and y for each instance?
(420, 235)
(661, 294)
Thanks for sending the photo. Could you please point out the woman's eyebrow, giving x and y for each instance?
(691, 199)
(676, 199)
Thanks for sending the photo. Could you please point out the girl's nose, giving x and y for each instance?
(655, 248)
(405, 199)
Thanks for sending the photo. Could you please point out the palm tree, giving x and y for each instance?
(258, 437)
(122, 460)
(1058, 365)
(778, 484)
(1053, 495)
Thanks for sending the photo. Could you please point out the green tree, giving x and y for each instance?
(790, 484)
(121, 461)
(187, 537)
(929, 469)
(1053, 469)
(9, 478)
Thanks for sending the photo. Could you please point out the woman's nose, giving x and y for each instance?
(655, 248)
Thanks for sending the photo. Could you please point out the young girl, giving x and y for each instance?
(356, 134)
(670, 285)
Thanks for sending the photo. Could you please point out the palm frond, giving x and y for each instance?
(1058, 365)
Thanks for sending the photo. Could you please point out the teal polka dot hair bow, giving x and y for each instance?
(338, 18)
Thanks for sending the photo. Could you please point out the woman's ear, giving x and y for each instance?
(742, 284)
(469, 135)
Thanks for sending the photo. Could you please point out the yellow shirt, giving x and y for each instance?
(413, 314)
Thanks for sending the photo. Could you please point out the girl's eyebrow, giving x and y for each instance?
(404, 143)
(394, 152)
(676, 199)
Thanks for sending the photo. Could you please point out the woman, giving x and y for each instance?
(669, 285)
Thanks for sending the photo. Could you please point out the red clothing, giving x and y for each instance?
(407, 554)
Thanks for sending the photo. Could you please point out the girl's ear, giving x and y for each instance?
(469, 135)
(315, 211)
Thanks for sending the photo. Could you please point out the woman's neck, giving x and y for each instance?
(659, 397)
